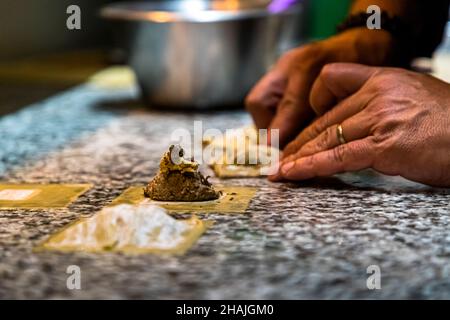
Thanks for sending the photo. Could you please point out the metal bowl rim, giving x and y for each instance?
(125, 11)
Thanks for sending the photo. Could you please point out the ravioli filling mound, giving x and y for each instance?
(179, 179)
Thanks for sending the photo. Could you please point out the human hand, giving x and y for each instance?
(280, 100)
(394, 121)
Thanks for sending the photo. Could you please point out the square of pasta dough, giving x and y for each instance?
(233, 200)
(128, 229)
(39, 196)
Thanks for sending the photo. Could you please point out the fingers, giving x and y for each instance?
(353, 156)
(293, 111)
(344, 110)
(263, 99)
(336, 82)
(354, 128)
(281, 99)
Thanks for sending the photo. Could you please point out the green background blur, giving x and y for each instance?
(325, 15)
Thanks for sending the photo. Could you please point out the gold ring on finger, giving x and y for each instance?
(340, 134)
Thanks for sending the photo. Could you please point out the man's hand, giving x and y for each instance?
(394, 121)
(280, 100)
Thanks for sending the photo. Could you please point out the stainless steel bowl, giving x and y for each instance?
(203, 54)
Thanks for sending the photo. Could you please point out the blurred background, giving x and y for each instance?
(31, 27)
(40, 56)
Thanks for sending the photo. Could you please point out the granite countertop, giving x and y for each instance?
(308, 240)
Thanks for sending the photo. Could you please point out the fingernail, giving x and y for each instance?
(286, 167)
(274, 172)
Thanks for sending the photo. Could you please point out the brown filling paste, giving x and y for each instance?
(179, 180)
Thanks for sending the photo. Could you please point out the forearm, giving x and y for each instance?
(424, 20)
(401, 8)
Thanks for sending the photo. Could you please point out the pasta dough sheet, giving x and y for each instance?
(242, 154)
(233, 200)
(40, 196)
(225, 171)
(115, 77)
(129, 229)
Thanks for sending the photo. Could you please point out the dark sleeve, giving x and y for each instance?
(435, 14)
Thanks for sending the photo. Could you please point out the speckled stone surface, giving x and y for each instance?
(297, 241)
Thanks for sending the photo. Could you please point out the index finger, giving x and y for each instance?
(337, 81)
(344, 110)
(353, 156)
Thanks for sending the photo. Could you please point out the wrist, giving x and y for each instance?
(365, 46)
